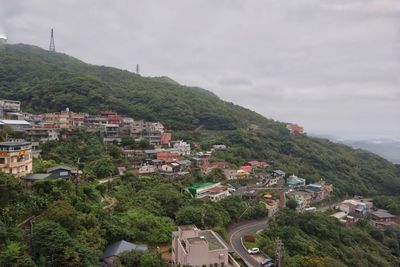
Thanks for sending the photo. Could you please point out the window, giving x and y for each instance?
(2, 160)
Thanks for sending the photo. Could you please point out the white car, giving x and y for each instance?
(231, 190)
(253, 251)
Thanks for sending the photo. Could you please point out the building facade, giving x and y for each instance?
(16, 158)
(194, 247)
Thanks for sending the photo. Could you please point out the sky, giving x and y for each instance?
(332, 66)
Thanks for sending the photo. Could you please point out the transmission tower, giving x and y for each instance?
(278, 253)
(52, 47)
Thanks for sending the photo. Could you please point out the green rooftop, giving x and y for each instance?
(196, 186)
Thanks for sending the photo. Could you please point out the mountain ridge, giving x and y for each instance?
(97, 87)
(48, 82)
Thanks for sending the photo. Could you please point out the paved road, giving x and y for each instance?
(240, 230)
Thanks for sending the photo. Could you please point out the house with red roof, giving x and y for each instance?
(294, 128)
(246, 168)
(257, 164)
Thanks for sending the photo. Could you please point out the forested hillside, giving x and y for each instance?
(69, 223)
(46, 81)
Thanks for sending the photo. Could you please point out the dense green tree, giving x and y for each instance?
(13, 255)
(51, 240)
(63, 213)
(316, 239)
(291, 204)
(102, 167)
(141, 259)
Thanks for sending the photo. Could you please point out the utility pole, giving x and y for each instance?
(137, 68)
(279, 253)
(52, 47)
(77, 178)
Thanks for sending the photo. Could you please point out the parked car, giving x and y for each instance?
(267, 263)
(253, 251)
(231, 190)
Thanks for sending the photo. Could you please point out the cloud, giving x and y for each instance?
(330, 65)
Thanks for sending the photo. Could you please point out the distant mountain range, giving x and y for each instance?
(388, 148)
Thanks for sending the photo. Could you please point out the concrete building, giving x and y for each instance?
(15, 125)
(383, 218)
(9, 106)
(182, 147)
(145, 169)
(168, 156)
(41, 134)
(208, 191)
(111, 133)
(302, 198)
(219, 147)
(151, 131)
(293, 181)
(194, 247)
(16, 158)
(65, 119)
(355, 207)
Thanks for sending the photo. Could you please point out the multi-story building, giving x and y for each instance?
(182, 147)
(41, 134)
(16, 158)
(151, 131)
(65, 119)
(293, 181)
(15, 125)
(111, 133)
(9, 106)
(194, 247)
(169, 155)
(112, 117)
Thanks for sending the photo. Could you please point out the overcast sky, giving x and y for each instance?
(332, 66)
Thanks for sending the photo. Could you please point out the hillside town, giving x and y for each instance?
(174, 160)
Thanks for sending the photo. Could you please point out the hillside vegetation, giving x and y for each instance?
(46, 81)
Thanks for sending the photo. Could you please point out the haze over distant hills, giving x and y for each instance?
(388, 148)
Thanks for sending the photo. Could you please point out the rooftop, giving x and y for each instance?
(315, 185)
(14, 122)
(16, 143)
(196, 240)
(201, 185)
(213, 242)
(217, 189)
(339, 215)
(61, 167)
(382, 214)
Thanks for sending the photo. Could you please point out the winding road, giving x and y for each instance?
(240, 230)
